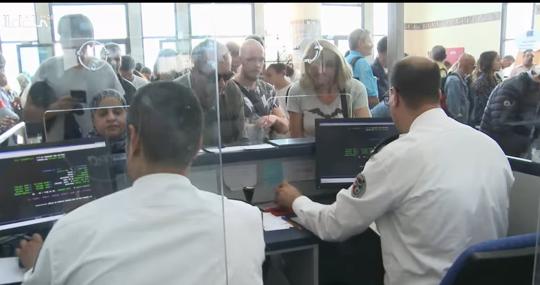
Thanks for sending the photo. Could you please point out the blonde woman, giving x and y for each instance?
(326, 89)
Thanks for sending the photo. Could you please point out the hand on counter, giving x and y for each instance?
(286, 194)
(29, 250)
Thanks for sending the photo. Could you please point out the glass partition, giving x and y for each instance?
(91, 108)
(103, 122)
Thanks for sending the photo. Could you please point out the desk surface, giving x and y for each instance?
(289, 238)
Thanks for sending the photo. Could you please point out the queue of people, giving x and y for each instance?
(256, 102)
(459, 212)
(228, 95)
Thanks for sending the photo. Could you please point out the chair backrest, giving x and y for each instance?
(507, 260)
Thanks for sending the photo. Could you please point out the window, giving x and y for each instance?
(277, 31)
(158, 24)
(109, 20)
(216, 21)
(380, 24)
(338, 20)
(519, 20)
(17, 26)
(113, 29)
(18, 22)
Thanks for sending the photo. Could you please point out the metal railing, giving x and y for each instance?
(19, 131)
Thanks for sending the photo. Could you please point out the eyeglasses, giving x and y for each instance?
(225, 76)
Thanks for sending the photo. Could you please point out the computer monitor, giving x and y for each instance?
(41, 183)
(343, 146)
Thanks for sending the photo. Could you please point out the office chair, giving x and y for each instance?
(507, 260)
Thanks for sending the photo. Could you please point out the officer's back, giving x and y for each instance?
(437, 189)
(455, 183)
(453, 187)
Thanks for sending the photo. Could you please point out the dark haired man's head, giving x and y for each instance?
(113, 54)
(75, 30)
(382, 47)
(147, 73)
(139, 66)
(507, 60)
(42, 94)
(528, 57)
(128, 63)
(127, 66)
(165, 123)
(438, 53)
(415, 88)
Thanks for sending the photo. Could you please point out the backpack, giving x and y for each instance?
(353, 63)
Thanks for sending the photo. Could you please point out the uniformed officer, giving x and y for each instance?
(437, 189)
(162, 229)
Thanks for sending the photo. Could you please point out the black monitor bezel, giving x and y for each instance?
(46, 226)
(318, 122)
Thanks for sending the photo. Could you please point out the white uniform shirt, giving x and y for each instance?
(432, 193)
(163, 230)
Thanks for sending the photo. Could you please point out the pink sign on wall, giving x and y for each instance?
(453, 54)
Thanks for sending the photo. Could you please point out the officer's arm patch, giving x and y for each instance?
(359, 186)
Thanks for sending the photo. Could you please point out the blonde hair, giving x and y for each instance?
(343, 70)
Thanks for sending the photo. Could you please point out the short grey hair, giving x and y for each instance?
(108, 49)
(357, 35)
(206, 50)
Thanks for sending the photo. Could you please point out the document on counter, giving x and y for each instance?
(258, 146)
(274, 223)
(10, 272)
(224, 149)
(239, 148)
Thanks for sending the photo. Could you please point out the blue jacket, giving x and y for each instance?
(362, 71)
(458, 98)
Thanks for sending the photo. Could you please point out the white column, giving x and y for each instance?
(368, 25)
(305, 27)
(183, 44)
(135, 31)
(258, 16)
(396, 28)
(44, 23)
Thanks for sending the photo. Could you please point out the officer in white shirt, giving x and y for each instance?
(162, 230)
(437, 189)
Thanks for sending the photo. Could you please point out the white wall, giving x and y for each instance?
(475, 38)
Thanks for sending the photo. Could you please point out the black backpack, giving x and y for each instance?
(353, 63)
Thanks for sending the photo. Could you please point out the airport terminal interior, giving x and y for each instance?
(269, 143)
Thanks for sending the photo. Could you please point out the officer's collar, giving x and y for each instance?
(428, 117)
